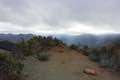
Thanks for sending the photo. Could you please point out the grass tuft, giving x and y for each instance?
(43, 56)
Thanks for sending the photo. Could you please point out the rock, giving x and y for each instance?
(90, 71)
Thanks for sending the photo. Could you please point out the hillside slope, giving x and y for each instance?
(64, 64)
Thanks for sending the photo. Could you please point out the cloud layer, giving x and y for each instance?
(60, 16)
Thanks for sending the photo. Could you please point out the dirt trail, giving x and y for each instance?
(64, 64)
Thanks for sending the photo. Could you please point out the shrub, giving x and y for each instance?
(2, 56)
(9, 66)
(27, 52)
(43, 56)
(94, 54)
(23, 48)
(101, 55)
(105, 60)
(86, 51)
(74, 46)
(51, 43)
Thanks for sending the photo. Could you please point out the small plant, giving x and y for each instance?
(74, 46)
(94, 54)
(43, 56)
(10, 67)
(2, 56)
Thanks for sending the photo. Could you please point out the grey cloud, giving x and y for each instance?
(96, 11)
(56, 13)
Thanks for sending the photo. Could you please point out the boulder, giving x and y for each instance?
(90, 71)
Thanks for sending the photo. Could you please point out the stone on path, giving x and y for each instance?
(90, 71)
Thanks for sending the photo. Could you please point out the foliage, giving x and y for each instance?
(104, 55)
(43, 56)
(37, 44)
(10, 63)
(85, 50)
(94, 54)
(23, 48)
(9, 66)
(74, 46)
(2, 56)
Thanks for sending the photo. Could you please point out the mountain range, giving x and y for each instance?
(89, 39)
(84, 39)
(15, 37)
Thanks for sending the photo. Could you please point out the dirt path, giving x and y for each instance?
(64, 64)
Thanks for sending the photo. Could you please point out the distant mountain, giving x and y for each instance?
(15, 37)
(89, 39)
(84, 39)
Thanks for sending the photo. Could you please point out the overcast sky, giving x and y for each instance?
(60, 16)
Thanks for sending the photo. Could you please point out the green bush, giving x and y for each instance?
(101, 55)
(86, 50)
(43, 56)
(27, 52)
(23, 48)
(51, 43)
(94, 54)
(105, 60)
(74, 46)
(2, 56)
(10, 65)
